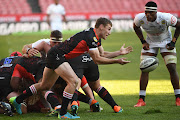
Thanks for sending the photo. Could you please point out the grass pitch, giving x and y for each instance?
(122, 81)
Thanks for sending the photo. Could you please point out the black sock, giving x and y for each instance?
(83, 98)
(53, 100)
(65, 102)
(27, 93)
(75, 96)
(67, 97)
(104, 94)
(143, 97)
(177, 96)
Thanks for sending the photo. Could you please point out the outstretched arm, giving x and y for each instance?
(103, 60)
(114, 54)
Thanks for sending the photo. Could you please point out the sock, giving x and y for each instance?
(104, 94)
(83, 98)
(75, 96)
(27, 93)
(67, 97)
(142, 94)
(52, 99)
(177, 93)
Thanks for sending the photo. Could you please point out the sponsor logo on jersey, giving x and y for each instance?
(95, 39)
(142, 22)
(57, 57)
(173, 20)
(163, 22)
(94, 44)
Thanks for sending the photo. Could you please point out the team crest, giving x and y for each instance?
(163, 22)
(95, 39)
(142, 22)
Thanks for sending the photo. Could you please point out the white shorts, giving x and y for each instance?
(56, 26)
(156, 49)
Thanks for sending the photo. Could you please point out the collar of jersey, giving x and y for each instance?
(96, 34)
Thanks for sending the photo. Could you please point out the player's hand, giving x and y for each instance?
(171, 45)
(146, 46)
(32, 52)
(123, 61)
(126, 50)
(25, 55)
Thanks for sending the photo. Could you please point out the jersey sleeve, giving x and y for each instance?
(36, 43)
(137, 20)
(48, 11)
(170, 19)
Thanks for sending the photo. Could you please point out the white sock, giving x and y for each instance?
(142, 92)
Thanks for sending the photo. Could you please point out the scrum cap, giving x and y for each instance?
(16, 53)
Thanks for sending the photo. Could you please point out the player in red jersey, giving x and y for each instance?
(86, 41)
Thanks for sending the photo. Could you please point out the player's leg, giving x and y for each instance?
(49, 78)
(144, 76)
(66, 72)
(171, 61)
(105, 95)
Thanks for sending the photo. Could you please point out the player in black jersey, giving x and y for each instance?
(6, 85)
(86, 41)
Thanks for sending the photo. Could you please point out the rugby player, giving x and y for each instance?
(159, 37)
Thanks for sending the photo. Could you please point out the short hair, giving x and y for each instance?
(151, 4)
(103, 21)
(56, 35)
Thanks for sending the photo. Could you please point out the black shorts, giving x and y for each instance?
(54, 58)
(91, 72)
(5, 87)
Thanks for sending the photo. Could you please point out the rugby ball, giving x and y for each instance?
(149, 64)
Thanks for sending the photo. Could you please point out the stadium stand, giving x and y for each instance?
(85, 6)
(14, 7)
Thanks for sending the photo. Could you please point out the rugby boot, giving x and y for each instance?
(177, 101)
(54, 112)
(140, 103)
(67, 116)
(117, 109)
(95, 106)
(74, 108)
(7, 108)
(17, 106)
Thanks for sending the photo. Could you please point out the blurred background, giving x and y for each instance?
(30, 15)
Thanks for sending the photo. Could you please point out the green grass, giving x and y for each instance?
(122, 81)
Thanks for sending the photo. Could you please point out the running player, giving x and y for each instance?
(86, 41)
(159, 37)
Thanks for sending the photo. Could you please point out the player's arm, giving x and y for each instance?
(114, 54)
(171, 45)
(139, 33)
(64, 18)
(48, 19)
(95, 54)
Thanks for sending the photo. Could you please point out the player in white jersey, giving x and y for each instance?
(55, 15)
(159, 37)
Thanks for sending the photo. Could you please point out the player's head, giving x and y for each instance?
(150, 11)
(55, 37)
(56, 2)
(16, 53)
(103, 25)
